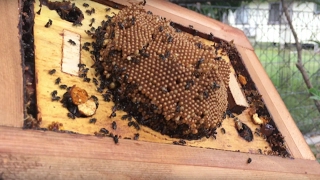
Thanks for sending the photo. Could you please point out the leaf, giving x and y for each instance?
(315, 93)
(315, 98)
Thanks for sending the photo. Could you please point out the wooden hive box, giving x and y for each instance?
(33, 154)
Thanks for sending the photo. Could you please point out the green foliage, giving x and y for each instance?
(315, 93)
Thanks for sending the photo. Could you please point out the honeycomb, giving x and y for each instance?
(177, 84)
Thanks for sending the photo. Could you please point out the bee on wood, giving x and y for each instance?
(93, 11)
(116, 139)
(72, 42)
(183, 142)
(104, 131)
(211, 37)
(223, 131)
(63, 86)
(39, 12)
(85, 5)
(249, 160)
(89, 12)
(114, 125)
(81, 66)
(108, 9)
(86, 79)
(52, 71)
(136, 136)
(77, 23)
(57, 81)
(95, 81)
(70, 115)
(124, 117)
(91, 22)
(190, 26)
(48, 24)
(113, 114)
(93, 120)
(243, 130)
(85, 48)
(54, 93)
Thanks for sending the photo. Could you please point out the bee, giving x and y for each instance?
(242, 79)
(199, 62)
(104, 131)
(70, 115)
(178, 107)
(89, 12)
(72, 42)
(124, 117)
(52, 71)
(85, 5)
(249, 160)
(86, 79)
(223, 131)
(63, 86)
(54, 93)
(108, 9)
(57, 81)
(116, 139)
(238, 124)
(217, 58)
(48, 24)
(91, 22)
(93, 120)
(190, 26)
(95, 81)
(164, 89)
(160, 28)
(39, 12)
(56, 98)
(189, 83)
(121, 26)
(85, 48)
(114, 125)
(211, 36)
(136, 136)
(215, 86)
(81, 66)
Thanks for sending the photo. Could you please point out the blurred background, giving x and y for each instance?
(268, 29)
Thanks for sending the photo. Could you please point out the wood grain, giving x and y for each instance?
(11, 88)
(72, 156)
(275, 105)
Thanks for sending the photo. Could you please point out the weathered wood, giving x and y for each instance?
(64, 156)
(11, 88)
(276, 107)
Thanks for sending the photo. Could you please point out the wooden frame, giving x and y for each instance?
(74, 156)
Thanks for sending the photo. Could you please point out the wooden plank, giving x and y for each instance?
(49, 57)
(70, 53)
(66, 155)
(21, 166)
(11, 88)
(275, 105)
